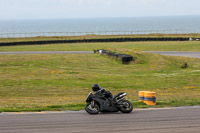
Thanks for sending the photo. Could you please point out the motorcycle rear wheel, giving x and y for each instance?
(126, 106)
(92, 110)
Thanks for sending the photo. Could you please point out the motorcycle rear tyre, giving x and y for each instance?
(90, 111)
(124, 109)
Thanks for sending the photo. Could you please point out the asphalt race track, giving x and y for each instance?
(171, 53)
(50, 52)
(177, 120)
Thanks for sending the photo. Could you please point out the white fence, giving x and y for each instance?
(50, 34)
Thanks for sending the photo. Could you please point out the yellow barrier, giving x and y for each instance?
(141, 96)
(150, 98)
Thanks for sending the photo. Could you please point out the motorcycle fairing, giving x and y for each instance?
(105, 106)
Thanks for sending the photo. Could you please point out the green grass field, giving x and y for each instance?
(59, 82)
(139, 46)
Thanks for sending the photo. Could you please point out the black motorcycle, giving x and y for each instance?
(98, 103)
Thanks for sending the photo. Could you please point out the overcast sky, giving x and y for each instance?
(37, 9)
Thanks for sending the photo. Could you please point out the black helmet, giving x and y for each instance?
(95, 87)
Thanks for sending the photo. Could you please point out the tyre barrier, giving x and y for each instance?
(148, 97)
(125, 58)
(92, 40)
(141, 96)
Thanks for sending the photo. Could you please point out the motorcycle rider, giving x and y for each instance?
(102, 92)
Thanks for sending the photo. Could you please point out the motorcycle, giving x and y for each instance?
(97, 103)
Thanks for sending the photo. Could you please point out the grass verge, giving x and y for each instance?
(139, 46)
(77, 107)
(60, 82)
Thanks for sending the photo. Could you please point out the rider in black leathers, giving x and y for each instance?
(102, 92)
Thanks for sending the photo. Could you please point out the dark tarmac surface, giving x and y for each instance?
(177, 120)
(50, 52)
(171, 53)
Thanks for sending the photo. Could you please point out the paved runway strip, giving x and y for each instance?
(178, 120)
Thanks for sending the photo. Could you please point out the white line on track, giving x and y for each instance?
(81, 111)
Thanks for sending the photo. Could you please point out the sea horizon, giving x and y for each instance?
(182, 23)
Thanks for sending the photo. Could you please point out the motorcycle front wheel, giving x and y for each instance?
(92, 110)
(126, 106)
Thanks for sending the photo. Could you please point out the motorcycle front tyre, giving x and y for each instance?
(126, 109)
(95, 110)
